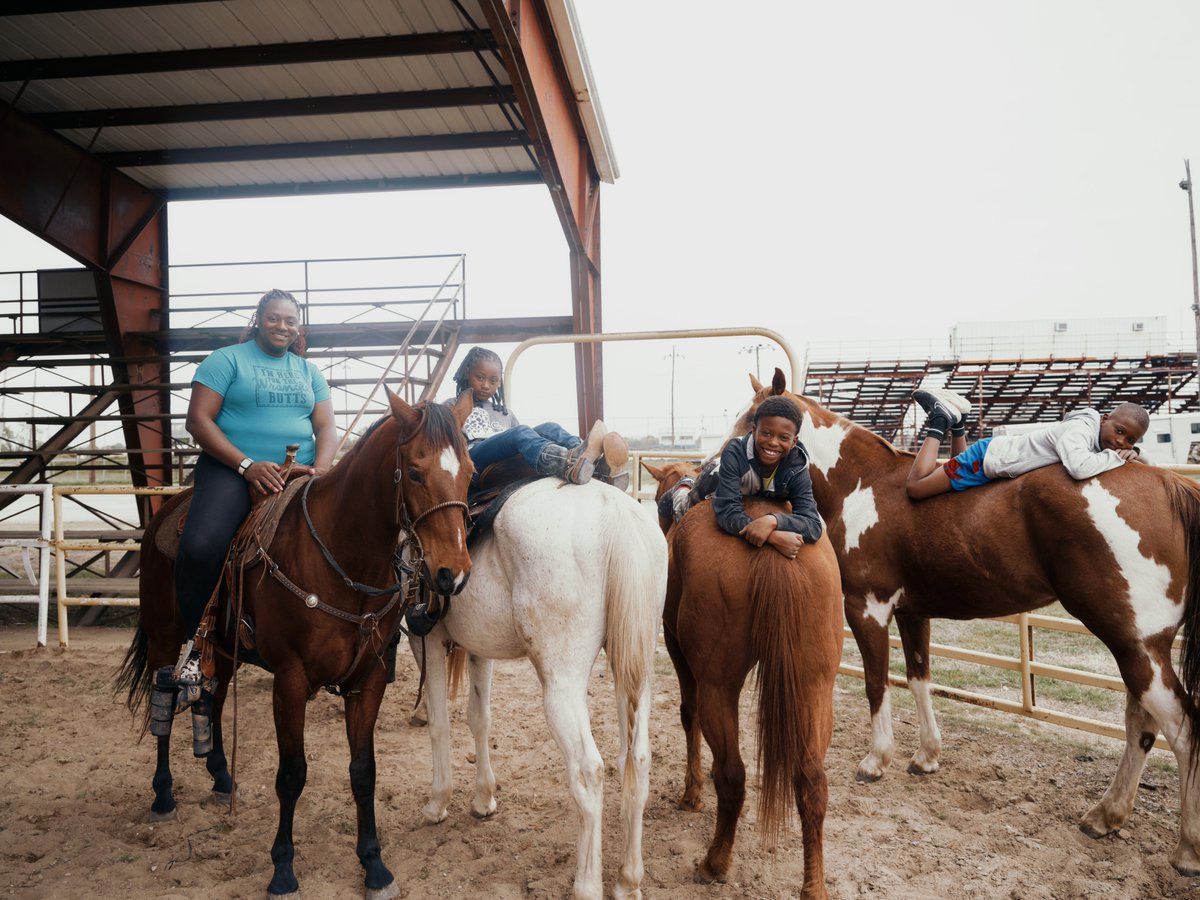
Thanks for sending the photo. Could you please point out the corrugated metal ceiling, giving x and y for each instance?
(385, 93)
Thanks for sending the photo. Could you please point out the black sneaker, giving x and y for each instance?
(947, 403)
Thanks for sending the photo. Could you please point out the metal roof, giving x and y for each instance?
(213, 98)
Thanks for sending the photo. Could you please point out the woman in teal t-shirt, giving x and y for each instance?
(249, 401)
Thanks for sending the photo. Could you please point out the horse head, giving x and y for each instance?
(829, 438)
(667, 477)
(433, 475)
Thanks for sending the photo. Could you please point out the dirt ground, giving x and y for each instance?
(998, 820)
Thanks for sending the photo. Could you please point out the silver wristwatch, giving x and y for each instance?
(244, 465)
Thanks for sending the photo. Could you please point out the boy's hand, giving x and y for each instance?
(1128, 455)
(786, 542)
(759, 530)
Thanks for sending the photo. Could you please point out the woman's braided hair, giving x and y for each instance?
(300, 345)
(462, 375)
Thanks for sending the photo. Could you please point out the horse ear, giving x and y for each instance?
(779, 382)
(755, 383)
(408, 417)
(656, 474)
(463, 406)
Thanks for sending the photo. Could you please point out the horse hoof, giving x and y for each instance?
(1185, 861)
(485, 813)
(867, 777)
(220, 798)
(387, 892)
(914, 769)
(417, 721)
(433, 818)
(704, 875)
(691, 805)
(155, 817)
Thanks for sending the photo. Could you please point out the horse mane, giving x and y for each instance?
(438, 426)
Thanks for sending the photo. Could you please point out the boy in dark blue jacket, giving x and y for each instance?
(768, 462)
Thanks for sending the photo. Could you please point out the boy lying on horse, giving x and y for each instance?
(767, 462)
(1085, 442)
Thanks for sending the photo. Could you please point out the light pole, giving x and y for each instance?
(1186, 185)
(673, 356)
(755, 350)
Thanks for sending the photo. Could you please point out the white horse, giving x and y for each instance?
(567, 570)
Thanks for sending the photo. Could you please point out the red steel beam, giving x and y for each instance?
(526, 41)
(117, 228)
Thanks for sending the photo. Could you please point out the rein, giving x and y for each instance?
(407, 574)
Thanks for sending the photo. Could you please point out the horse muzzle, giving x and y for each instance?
(445, 582)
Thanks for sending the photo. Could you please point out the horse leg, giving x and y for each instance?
(437, 704)
(479, 719)
(290, 698)
(163, 807)
(216, 763)
(914, 636)
(1165, 701)
(1117, 803)
(871, 635)
(693, 781)
(719, 722)
(564, 696)
(635, 788)
(812, 798)
(362, 711)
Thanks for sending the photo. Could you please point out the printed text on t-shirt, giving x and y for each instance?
(276, 387)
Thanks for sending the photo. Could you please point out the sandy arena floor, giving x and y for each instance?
(998, 820)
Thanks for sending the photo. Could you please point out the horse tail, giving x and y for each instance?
(456, 668)
(1185, 503)
(636, 570)
(134, 676)
(789, 613)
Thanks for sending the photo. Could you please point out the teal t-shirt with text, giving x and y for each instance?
(267, 400)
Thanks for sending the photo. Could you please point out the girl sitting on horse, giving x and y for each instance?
(493, 432)
(249, 401)
(768, 462)
(1085, 442)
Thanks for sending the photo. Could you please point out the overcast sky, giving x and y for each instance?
(852, 171)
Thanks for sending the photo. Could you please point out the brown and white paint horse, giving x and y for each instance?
(1120, 551)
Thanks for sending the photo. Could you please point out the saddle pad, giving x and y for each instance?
(170, 525)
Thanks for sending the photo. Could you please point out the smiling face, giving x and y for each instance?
(774, 436)
(484, 379)
(278, 326)
(1119, 432)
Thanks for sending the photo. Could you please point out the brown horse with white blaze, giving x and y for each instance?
(327, 620)
(729, 607)
(1120, 551)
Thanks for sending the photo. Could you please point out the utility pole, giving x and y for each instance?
(755, 350)
(1186, 185)
(673, 356)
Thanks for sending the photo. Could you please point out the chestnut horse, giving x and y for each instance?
(406, 479)
(1120, 551)
(730, 606)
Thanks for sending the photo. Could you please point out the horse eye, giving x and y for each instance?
(416, 476)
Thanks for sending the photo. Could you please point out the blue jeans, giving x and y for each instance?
(523, 440)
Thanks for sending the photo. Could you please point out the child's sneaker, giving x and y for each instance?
(939, 400)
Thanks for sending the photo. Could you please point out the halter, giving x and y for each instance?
(368, 622)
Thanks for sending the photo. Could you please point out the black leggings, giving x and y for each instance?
(219, 505)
